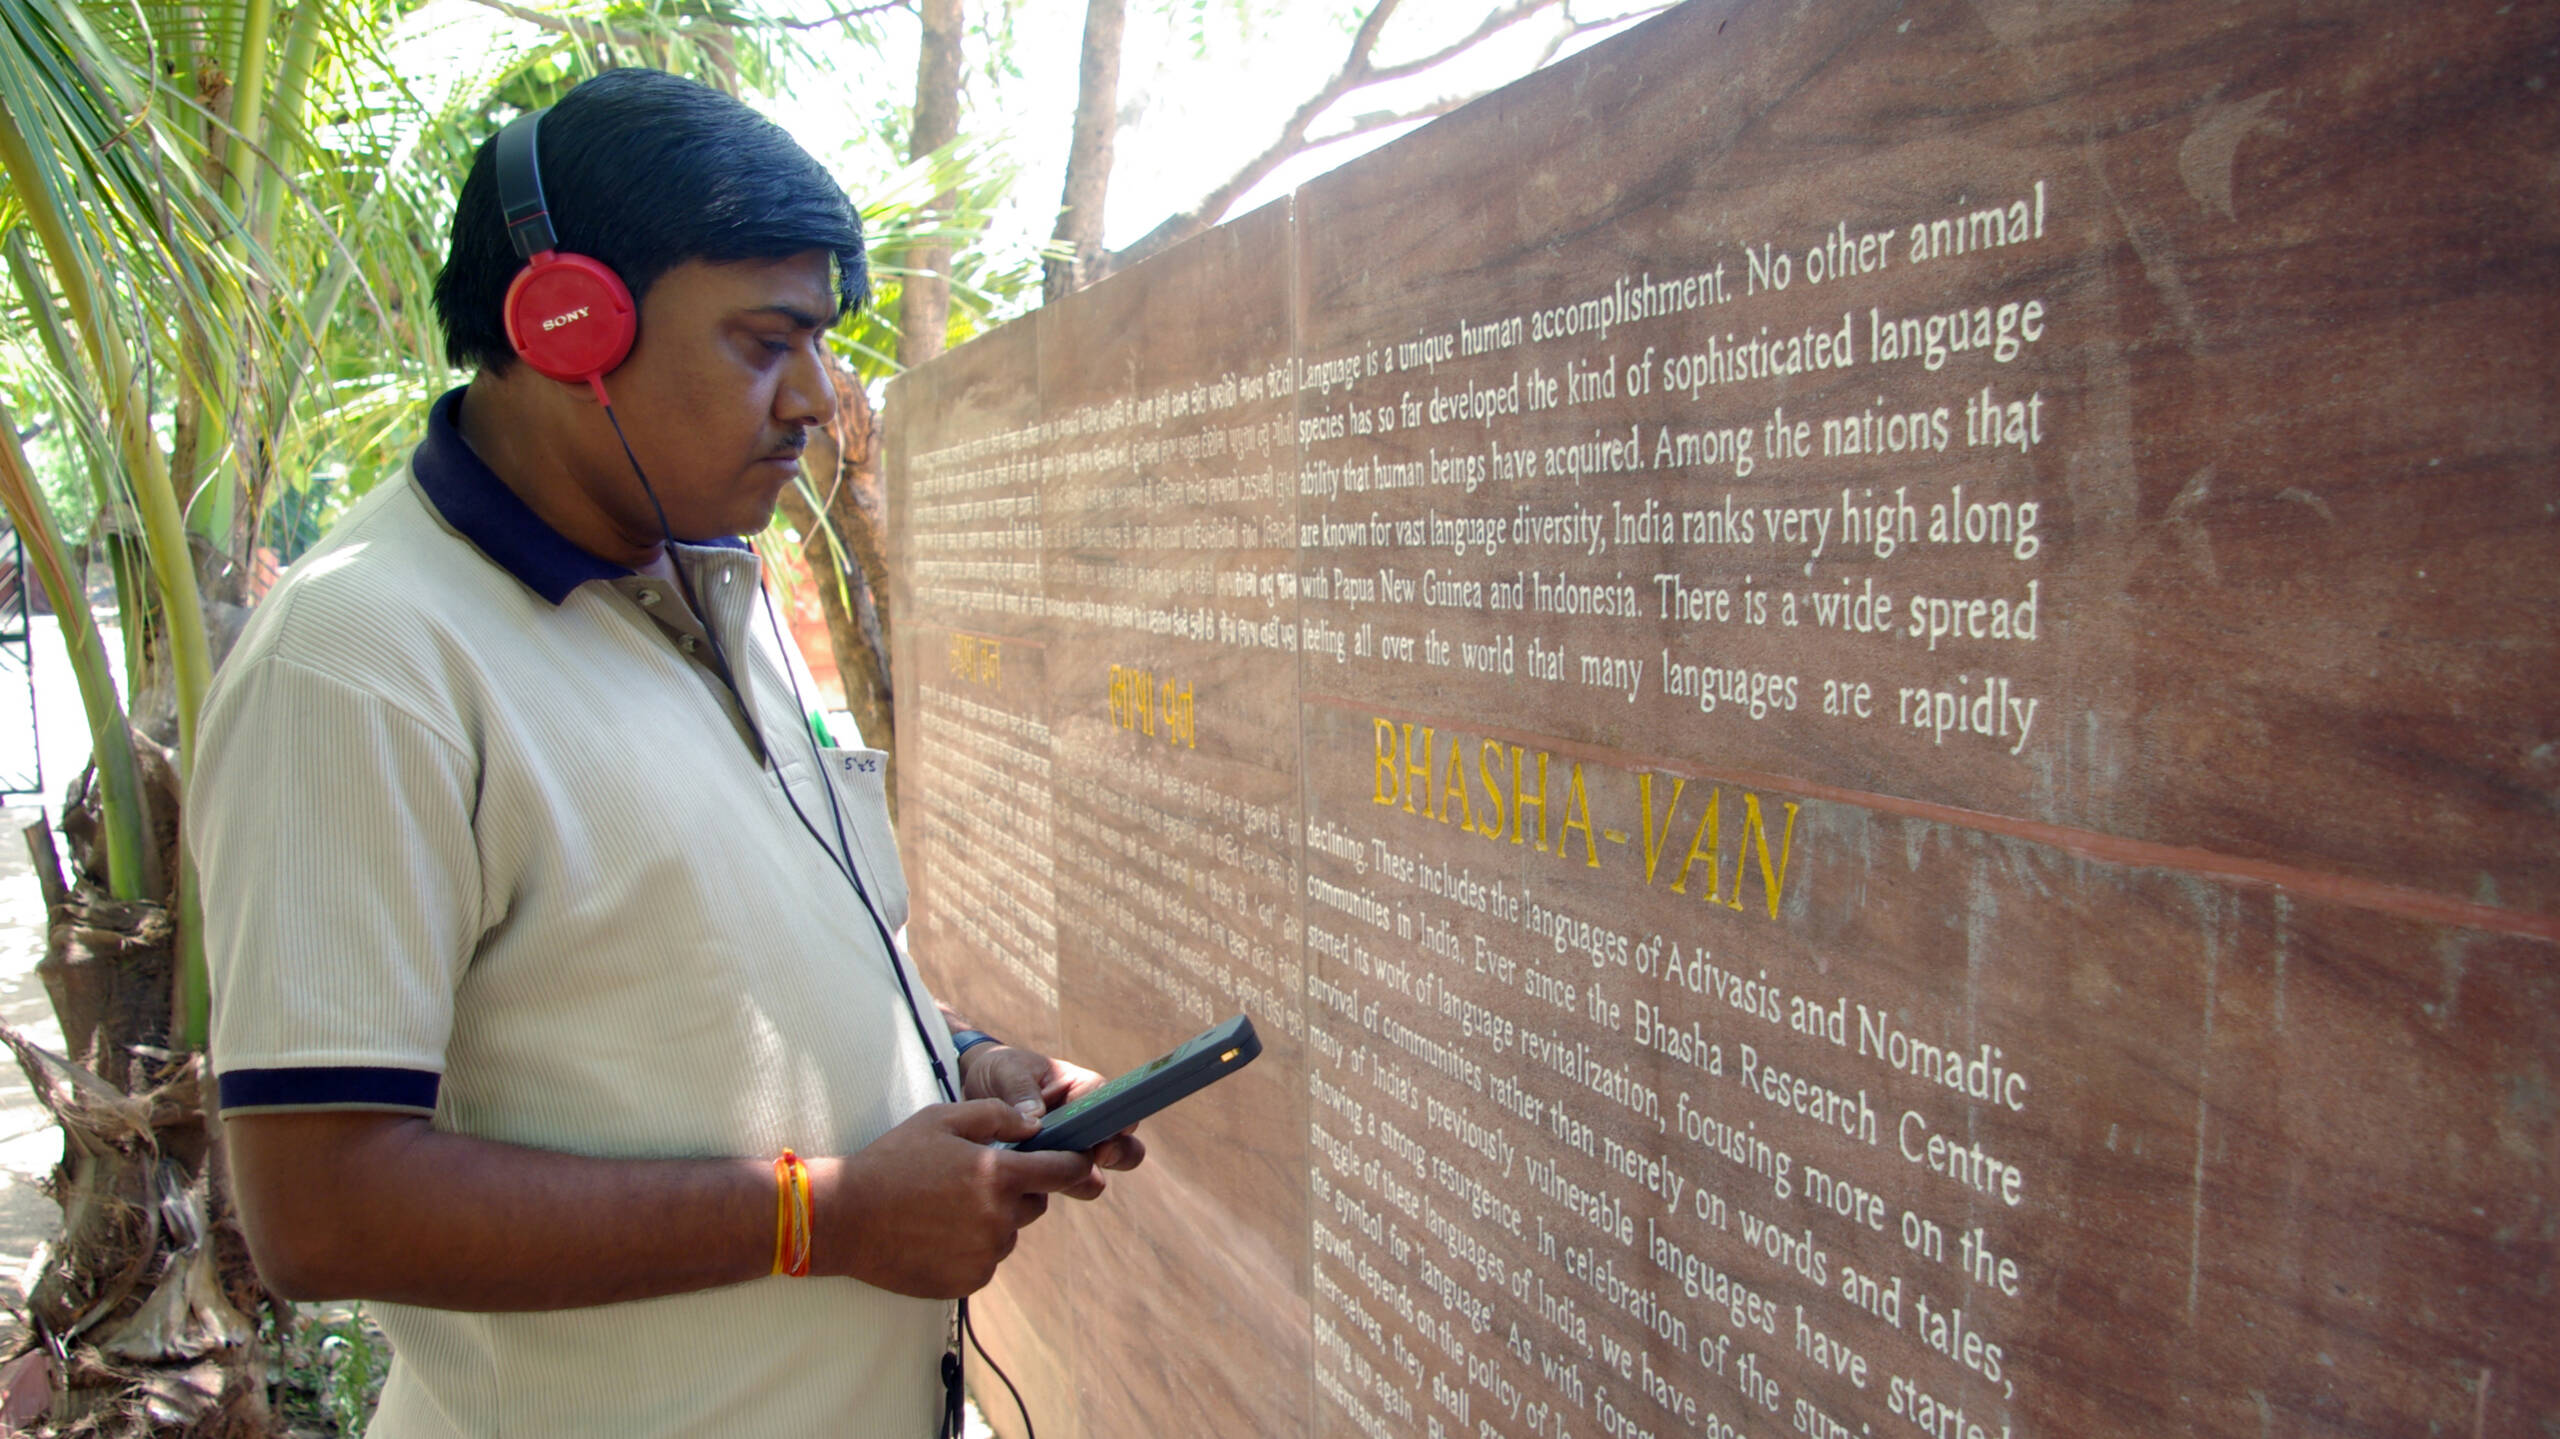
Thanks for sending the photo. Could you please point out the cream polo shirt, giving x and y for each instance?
(482, 837)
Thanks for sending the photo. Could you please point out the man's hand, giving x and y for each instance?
(929, 1209)
(1036, 1084)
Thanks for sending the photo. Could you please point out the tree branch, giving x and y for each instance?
(858, 12)
(1371, 123)
(1575, 27)
(1292, 139)
(1358, 73)
(1493, 24)
(585, 32)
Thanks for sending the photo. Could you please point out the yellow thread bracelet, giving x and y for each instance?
(790, 1216)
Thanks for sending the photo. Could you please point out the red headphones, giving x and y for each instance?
(568, 316)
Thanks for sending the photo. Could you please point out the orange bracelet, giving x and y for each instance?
(791, 1216)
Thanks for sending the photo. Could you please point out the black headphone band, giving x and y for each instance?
(520, 187)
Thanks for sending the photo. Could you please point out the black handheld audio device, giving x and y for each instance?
(1210, 1056)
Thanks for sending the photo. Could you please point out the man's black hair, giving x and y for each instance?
(644, 171)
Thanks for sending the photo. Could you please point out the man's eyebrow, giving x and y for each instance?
(804, 319)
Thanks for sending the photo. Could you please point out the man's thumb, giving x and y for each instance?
(1022, 1091)
(982, 1120)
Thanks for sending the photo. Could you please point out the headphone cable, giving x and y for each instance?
(840, 855)
(728, 678)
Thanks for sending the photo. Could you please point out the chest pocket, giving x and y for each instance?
(860, 777)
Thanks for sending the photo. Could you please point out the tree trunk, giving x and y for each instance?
(843, 465)
(1089, 154)
(924, 299)
(146, 1309)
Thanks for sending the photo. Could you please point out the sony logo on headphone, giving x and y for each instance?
(556, 321)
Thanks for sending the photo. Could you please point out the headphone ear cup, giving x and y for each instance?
(570, 317)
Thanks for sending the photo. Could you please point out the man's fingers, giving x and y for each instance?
(1046, 1172)
(1065, 1081)
(983, 1121)
(1124, 1150)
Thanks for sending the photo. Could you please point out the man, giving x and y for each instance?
(532, 902)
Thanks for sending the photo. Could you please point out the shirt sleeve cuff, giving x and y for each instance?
(259, 1091)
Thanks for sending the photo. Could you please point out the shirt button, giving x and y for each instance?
(686, 643)
(648, 597)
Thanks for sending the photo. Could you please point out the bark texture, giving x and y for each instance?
(847, 552)
(924, 299)
(1089, 153)
(144, 1314)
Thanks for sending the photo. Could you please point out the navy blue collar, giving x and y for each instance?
(477, 503)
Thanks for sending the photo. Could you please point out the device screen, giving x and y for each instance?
(1096, 1096)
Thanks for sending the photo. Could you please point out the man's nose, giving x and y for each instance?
(807, 397)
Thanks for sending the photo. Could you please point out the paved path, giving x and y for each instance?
(29, 1142)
